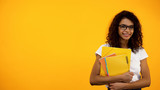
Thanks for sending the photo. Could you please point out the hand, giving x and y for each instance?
(127, 77)
(117, 86)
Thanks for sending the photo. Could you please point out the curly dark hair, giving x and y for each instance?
(113, 38)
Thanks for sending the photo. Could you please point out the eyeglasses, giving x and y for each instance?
(124, 27)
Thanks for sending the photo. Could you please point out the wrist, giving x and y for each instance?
(125, 86)
(121, 79)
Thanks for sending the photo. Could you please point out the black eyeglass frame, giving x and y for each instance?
(124, 27)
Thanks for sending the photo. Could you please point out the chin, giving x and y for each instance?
(126, 38)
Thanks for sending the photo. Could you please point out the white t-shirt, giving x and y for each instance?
(134, 63)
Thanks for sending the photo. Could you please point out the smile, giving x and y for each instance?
(126, 35)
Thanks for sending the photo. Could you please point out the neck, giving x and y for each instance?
(124, 43)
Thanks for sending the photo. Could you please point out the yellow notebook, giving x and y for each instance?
(103, 63)
(117, 65)
(118, 51)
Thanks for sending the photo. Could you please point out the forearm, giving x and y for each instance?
(103, 80)
(145, 81)
(138, 84)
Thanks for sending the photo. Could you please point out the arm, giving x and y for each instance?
(96, 79)
(144, 82)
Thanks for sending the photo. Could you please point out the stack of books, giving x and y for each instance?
(115, 61)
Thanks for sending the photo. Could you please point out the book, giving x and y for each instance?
(117, 65)
(121, 59)
(103, 63)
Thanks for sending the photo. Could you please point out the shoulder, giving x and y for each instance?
(100, 48)
(141, 53)
(105, 45)
(141, 50)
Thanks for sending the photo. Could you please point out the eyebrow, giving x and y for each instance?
(126, 25)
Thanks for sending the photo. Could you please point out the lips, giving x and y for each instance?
(126, 35)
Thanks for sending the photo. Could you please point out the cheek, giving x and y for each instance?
(132, 32)
(119, 32)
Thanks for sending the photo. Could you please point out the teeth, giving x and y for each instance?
(125, 34)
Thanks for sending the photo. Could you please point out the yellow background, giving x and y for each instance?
(51, 44)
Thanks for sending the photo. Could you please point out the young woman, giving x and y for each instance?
(124, 32)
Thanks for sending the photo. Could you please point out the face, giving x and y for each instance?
(125, 29)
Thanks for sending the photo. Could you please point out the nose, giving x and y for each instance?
(127, 29)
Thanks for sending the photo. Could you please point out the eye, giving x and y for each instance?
(131, 27)
(122, 26)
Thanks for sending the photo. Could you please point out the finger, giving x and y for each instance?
(111, 84)
(131, 73)
(111, 87)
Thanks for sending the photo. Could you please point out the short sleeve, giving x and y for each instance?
(143, 54)
(99, 51)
